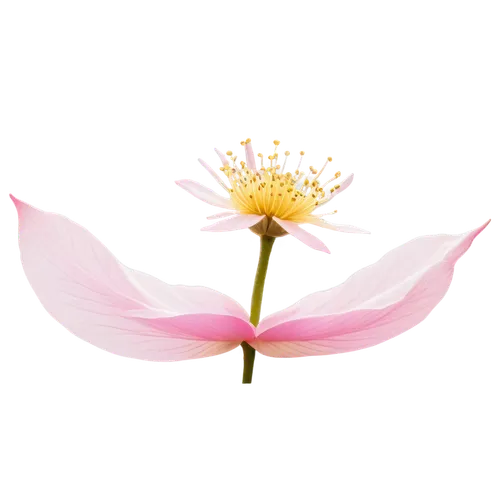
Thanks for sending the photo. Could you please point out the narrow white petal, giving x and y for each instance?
(212, 172)
(222, 156)
(241, 221)
(250, 157)
(221, 215)
(343, 228)
(204, 194)
(343, 186)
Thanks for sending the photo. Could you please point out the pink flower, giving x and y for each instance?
(126, 312)
(270, 200)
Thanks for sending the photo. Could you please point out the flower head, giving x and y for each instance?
(272, 198)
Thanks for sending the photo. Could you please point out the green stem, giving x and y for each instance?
(248, 361)
(266, 245)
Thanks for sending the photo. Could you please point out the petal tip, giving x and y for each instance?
(485, 225)
(328, 252)
(17, 202)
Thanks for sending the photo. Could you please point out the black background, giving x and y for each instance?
(106, 151)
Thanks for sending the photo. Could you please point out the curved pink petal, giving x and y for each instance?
(302, 235)
(240, 221)
(204, 194)
(126, 312)
(343, 228)
(373, 305)
(176, 300)
(199, 326)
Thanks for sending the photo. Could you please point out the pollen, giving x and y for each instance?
(339, 173)
(270, 190)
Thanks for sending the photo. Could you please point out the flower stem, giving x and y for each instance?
(248, 361)
(266, 245)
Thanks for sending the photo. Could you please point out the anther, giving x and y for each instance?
(339, 172)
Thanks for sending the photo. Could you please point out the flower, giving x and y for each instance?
(126, 312)
(271, 200)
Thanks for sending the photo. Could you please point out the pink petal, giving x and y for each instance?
(240, 221)
(343, 228)
(204, 194)
(302, 235)
(373, 305)
(182, 299)
(212, 327)
(86, 289)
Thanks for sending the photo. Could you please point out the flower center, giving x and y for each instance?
(273, 191)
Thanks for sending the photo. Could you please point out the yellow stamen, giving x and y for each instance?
(272, 192)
